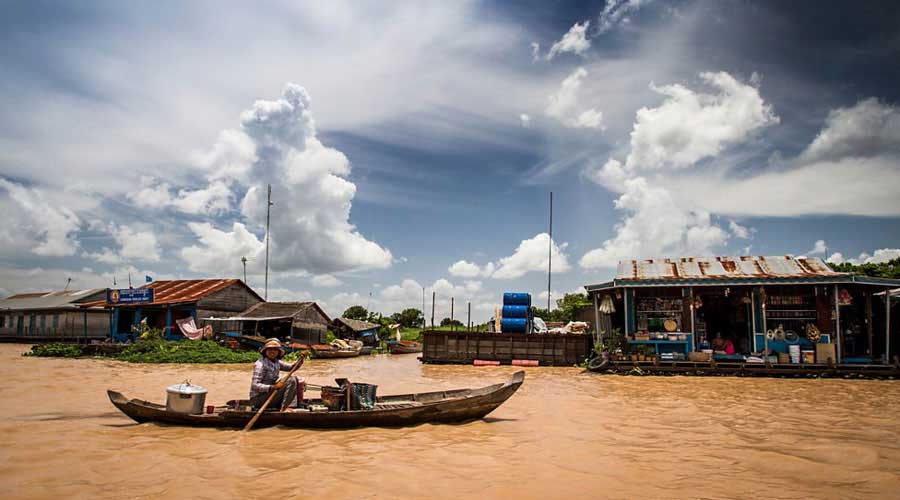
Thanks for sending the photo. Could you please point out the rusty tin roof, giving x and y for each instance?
(715, 268)
(183, 291)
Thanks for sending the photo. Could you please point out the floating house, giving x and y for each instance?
(303, 322)
(57, 316)
(177, 300)
(756, 304)
(353, 329)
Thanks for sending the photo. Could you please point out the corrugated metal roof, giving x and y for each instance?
(714, 268)
(183, 291)
(281, 309)
(356, 325)
(66, 299)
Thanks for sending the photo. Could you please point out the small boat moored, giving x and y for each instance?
(404, 347)
(451, 406)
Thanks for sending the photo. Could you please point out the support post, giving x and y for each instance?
(598, 336)
(469, 321)
(887, 325)
(837, 326)
(452, 306)
(870, 335)
(168, 322)
(433, 294)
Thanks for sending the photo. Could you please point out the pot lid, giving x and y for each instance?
(186, 388)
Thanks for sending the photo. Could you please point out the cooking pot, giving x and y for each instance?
(185, 398)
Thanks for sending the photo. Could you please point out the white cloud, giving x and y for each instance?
(564, 104)
(219, 252)
(655, 226)
(465, 269)
(326, 281)
(616, 12)
(690, 126)
(525, 120)
(532, 255)
(134, 245)
(739, 231)
(574, 41)
(868, 128)
(535, 51)
(819, 247)
(34, 223)
(40, 279)
(880, 256)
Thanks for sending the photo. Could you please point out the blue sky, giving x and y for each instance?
(413, 145)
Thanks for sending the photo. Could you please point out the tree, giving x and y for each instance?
(451, 322)
(356, 312)
(569, 305)
(409, 318)
(889, 269)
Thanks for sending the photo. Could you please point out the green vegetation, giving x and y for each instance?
(356, 312)
(409, 318)
(566, 308)
(56, 350)
(201, 351)
(452, 322)
(889, 269)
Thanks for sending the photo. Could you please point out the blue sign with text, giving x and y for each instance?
(129, 296)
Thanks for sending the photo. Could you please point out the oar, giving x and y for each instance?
(272, 395)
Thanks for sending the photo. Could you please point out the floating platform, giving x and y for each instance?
(741, 369)
(464, 347)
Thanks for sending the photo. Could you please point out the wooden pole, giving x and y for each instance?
(432, 309)
(597, 334)
(887, 325)
(469, 319)
(837, 324)
(268, 212)
(869, 323)
(452, 325)
(550, 254)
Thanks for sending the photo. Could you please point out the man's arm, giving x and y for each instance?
(257, 384)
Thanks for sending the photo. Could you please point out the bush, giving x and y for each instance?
(201, 351)
(56, 350)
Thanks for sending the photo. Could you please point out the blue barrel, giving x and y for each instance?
(517, 299)
(514, 325)
(515, 311)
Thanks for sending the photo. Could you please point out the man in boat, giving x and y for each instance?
(265, 378)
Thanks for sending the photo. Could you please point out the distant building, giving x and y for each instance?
(180, 299)
(29, 317)
(346, 328)
(303, 322)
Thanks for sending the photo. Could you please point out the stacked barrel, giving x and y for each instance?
(516, 312)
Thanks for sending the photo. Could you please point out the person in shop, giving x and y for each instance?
(265, 378)
(721, 345)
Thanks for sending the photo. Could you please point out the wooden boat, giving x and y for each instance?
(335, 351)
(404, 347)
(452, 406)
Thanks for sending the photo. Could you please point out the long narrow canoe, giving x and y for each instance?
(452, 406)
(404, 347)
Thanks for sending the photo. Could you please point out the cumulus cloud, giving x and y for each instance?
(564, 105)
(133, 245)
(219, 252)
(35, 223)
(819, 247)
(868, 128)
(525, 120)
(310, 220)
(532, 255)
(655, 225)
(880, 256)
(690, 126)
(574, 41)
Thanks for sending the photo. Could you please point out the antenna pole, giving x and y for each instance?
(244, 262)
(550, 253)
(268, 213)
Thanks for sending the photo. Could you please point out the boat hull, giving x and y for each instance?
(391, 411)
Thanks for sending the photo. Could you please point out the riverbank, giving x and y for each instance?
(566, 433)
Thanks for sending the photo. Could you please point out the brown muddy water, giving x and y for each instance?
(564, 434)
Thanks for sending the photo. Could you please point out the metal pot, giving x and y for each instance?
(185, 398)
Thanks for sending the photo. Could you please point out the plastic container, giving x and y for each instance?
(809, 357)
(517, 299)
(794, 351)
(185, 398)
(515, 311)
(514, 325)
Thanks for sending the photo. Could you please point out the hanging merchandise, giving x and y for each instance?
(844, 297)
(606, 305)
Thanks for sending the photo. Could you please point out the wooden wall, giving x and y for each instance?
(232, 300)
(70, 325)
(465, 347)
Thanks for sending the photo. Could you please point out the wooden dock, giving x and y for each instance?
(462, 347)
(741, 369)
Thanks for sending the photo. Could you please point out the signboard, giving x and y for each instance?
(129, 296)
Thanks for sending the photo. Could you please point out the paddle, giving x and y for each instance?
(265, 405)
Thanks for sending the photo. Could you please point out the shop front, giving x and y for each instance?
(747, 309)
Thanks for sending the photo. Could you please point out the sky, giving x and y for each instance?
(412, 146)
